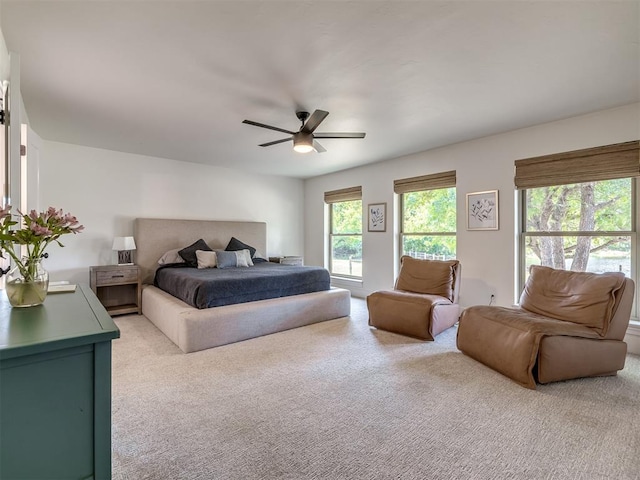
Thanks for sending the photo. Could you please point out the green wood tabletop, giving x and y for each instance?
(64, 320)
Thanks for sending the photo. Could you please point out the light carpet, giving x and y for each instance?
(339, 400)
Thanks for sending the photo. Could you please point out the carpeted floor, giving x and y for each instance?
(338, 400)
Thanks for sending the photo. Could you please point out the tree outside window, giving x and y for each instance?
(429, 224)
(580, 227)
(346, 239)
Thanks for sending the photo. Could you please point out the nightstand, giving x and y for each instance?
(118, 287)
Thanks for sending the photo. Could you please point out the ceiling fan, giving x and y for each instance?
(304, 139)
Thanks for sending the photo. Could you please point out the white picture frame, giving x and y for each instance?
(377, 217)
(483, 210)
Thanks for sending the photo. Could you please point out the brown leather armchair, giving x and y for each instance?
(424, 301)
(567, 325)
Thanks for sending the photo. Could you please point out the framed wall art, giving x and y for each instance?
(482, 210)
(377, 214)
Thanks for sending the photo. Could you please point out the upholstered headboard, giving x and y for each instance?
(155, 236)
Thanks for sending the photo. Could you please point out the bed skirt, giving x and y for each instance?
(193, 329)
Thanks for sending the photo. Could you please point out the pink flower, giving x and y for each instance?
(39, 230)
(52, 213)
(5, 212)
(69, 220)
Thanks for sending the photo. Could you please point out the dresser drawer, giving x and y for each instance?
(112, 277)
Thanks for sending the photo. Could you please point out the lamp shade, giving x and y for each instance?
(124, 243)
(303, 142)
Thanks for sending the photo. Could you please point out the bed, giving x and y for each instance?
(217, 287)
(193, 329)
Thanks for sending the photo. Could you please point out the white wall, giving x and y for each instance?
(487, 257)
(4, 57)
(107, 190)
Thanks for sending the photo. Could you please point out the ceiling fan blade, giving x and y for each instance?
(314, 120)
(318, 148)
(274, 142)
(340, 135)
(256, 124)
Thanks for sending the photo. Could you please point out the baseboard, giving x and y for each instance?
(633, 338)
(354, 286)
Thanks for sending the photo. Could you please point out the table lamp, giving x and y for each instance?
(124, 245)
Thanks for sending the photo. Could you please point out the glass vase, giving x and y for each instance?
(27, 284)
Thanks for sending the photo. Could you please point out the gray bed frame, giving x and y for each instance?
(193, 329)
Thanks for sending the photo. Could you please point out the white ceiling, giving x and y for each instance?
(175, 79)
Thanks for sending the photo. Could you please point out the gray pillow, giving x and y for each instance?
(238, 258)
(226, 259)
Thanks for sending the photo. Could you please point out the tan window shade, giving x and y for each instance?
(621, 160)
(343, 195)
(425, 182)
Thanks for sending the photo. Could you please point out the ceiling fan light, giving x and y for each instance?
(303, 148)
(303, 142)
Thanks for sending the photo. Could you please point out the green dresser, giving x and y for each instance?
(55, 388)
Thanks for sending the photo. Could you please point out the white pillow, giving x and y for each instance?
(171, 256)
(206, 259)
(247, 255)
(243, 258)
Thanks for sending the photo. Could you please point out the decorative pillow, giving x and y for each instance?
(171, 256)
(247, 256)
(243, 258)
(232, 259)
(206, 259)
(434, 277)
(235, 244)
(226, 259)
(189, 253)
(578, 297)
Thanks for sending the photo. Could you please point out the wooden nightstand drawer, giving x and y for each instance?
(114, 277)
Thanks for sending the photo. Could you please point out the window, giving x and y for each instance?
(429, 224)
(580, 227)
(428, 216)
(345, 232)
(578, 210)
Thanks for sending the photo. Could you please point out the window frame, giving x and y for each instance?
(523, 234)
(607, 162)
(402, 234)
(333, 235)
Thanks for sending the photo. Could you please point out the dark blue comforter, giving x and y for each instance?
(214, 287)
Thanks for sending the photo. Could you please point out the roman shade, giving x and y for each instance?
(343, 195)
(425, 182)
(621, 160)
